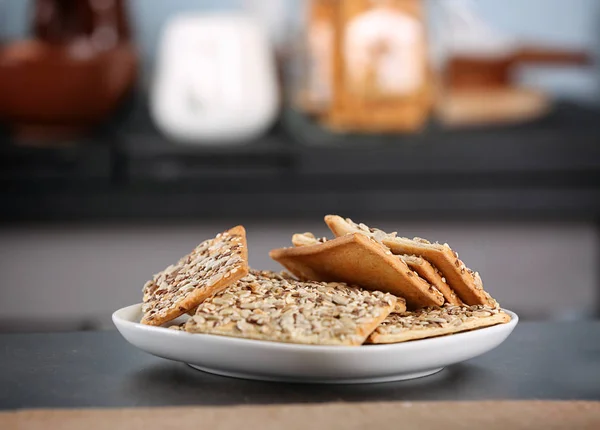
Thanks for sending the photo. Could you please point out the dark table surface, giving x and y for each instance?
(557, 361)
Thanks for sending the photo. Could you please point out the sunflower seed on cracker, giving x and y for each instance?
(272, 307)
(212, 266)
(436, 321)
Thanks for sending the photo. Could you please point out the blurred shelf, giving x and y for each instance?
(28, 166)
(549, 169)
(566, 140)
(150, 158)
(168, 204)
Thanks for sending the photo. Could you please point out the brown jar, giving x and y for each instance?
(72, 73)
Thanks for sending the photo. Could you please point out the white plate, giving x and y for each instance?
(272, 361)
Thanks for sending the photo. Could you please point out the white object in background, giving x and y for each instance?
(273, 361)
(273, 15)
(215, 81)
(465, 32)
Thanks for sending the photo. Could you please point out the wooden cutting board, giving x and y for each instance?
(513, 415)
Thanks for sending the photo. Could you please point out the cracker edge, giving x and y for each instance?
(408, 335)
(427, 271)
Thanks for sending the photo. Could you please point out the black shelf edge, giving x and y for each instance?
(544, 170)
(165, 203)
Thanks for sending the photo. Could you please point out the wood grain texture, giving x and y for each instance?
(393, 415)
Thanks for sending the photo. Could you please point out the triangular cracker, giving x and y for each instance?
(209, 268)
(466, 283)
(358, 260)
(433, 322)
(271, 307)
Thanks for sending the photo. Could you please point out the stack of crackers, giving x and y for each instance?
(364, 286)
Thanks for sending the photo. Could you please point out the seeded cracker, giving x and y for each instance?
(307, 239)
(209, 268)
(271, 307)
(431, 274)
(359, 260)
(433, 322)
(466, 284)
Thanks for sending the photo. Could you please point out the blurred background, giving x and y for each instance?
(130, 131)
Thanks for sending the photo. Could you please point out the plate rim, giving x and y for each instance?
(117, 319)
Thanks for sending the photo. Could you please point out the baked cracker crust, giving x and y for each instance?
(433, 322)
(400, 305)
(358, 260)
(271, 307)
(466, 284)
(307, 239)
(212, 266)
(431, 274)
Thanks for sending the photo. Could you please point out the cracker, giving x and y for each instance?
(432, 275)
(466, 284)
(433, 322)
(307, 239)
(358, 260)
(212, 266)
(271, 307)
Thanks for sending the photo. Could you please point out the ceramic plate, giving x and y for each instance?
(272, 361)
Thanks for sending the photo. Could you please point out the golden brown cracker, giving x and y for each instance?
(212, 266)
(358, 260)
(433, 322)
(271, 307)
(465, 283)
